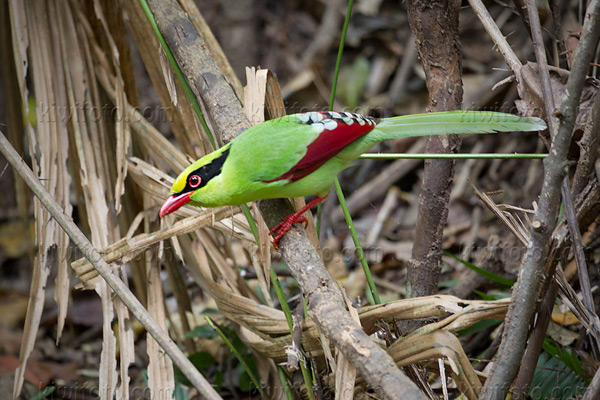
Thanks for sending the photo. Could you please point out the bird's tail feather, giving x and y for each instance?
(456, 122)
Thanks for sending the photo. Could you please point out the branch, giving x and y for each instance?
(122, 291)
(435, 27)
(200, 68)
(499, 39)
(549, 292)
(325, 300)
(545, 218)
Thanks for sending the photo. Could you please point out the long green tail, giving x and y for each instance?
(456, 122)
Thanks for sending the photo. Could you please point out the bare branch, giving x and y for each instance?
(435, 27)
(545, 219)
(325, 300)
(120, 289)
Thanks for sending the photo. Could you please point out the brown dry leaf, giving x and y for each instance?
(440, 344)
(563, 336)
(566, 318)
(121, 126)
(39, 373)
(181, 117)
(61, 290)
(95, 181)
(161, 380)
(48, 145)
(345, 373)
(157, 145)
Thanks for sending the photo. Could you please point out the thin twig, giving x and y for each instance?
(92, 254)
(582, 270)
(492, 29)
(534, 345)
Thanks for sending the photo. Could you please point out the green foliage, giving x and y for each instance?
(353, 80)
(201, 331)
(42, 394)
(486, 274)
(565, 355)
(553, 379)
(479, 326)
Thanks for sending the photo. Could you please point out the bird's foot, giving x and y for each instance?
(291, 219)
(284, 226)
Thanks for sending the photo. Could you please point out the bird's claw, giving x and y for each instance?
(284, 226)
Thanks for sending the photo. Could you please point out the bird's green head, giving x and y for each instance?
(191, 182)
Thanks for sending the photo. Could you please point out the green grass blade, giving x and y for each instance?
(239, 357)
(178, 72)
(486, 274)
(375, 299)
(454, 156)
(338, 61)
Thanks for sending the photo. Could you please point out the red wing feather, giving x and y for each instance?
(333, 138)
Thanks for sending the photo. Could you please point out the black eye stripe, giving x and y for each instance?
(207, 172)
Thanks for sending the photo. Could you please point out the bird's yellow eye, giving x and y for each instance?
(194, 181)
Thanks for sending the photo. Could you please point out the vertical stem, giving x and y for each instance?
(435, 27)
(372, 294)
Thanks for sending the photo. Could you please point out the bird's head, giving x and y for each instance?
(191, 183)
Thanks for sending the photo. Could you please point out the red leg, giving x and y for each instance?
(291, 219)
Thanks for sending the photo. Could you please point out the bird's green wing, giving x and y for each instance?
(289, 148)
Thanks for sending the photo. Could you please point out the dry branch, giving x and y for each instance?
(325, 300)
(532, 268)
(119, 288)
(435, 27)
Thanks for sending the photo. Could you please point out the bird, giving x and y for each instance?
(300, 155)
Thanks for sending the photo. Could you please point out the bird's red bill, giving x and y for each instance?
(174, 202)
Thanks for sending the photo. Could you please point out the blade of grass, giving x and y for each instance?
(372, 294)
(178, 72)
(338, 61)
(238, 356)
(484, 156)
(486, 274)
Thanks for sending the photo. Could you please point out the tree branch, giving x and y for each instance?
(532, 268)
(93, 255)
(435, 27)
(325, 300)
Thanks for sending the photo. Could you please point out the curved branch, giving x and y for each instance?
(325, 300)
